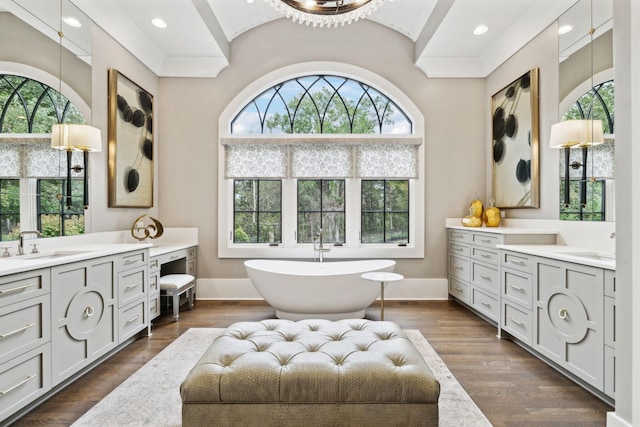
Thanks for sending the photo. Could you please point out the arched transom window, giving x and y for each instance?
(321, 104)
(321, 161)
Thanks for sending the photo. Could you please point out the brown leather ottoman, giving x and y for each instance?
(311, 372)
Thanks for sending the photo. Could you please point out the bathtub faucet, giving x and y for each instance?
(318, 246)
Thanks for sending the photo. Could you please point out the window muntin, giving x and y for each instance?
(321, 206)
(257, 211)
(9, 209)
(596, 104)
(53, 218)
(593, 211)
(321, 104)
(385, 211)
(239, 132)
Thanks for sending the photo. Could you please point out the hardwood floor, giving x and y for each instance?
(509, 385)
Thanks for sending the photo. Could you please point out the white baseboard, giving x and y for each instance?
(613, 420)
(242, 289)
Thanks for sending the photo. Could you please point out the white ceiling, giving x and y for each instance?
(199, 32)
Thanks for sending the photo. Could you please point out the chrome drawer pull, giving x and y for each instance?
(485, 277)
(10, 389)
(131, 261)
(459, 249)
(89, 311)
(515, 321)
(459, 267)
(518, 262)
(486, 304)
(132, 320)
(172, 257)
(457, 236)
(517, 288)
(24, 328)
(563, 313)
(154, 263)
(135, 285)
(485, 240)
(459, 289)
(485, 255)
(19, 288)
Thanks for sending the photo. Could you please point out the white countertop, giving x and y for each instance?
(67, 254)
(504, 230)
(583, 256)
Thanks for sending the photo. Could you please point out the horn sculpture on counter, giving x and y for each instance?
(145, 226)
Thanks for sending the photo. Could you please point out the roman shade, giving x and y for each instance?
(286, 157)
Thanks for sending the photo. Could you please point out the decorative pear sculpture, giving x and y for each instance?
(492, 215)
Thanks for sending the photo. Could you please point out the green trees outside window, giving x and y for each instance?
(385, 211)
(321, 205)
(594, 211)
(9, 209)
(257, 211)
(54, 219)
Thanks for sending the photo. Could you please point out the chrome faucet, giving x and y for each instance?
(21, 240)
(318, 246)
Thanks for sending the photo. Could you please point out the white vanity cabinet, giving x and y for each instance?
(569, 317)
(154, 288)
(133, 291)
(474, 264)
(25, 339)
(517, 295)
(84, 312)
(609, 332)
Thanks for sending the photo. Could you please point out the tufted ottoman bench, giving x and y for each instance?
(311, 372)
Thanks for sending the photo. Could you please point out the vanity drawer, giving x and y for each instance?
(486, 255)
(517, 287)
(22, 327)
(610, 322)
(131, 260)
(132, 320)
(22, 286)
(518, 261)
(24, 378)
(154, 265)
(518, 323)
(610, 283)
(457, 248)
(154, 306)
(485, 303)
(459, 267)
(485, 276)
(131, 286)
(154, 279)
(459, 236)
(486, 239)
(459, 289)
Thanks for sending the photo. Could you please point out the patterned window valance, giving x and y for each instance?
(325, 158)
(34, 159)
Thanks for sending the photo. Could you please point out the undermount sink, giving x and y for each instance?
(52, 255)
(592, 255)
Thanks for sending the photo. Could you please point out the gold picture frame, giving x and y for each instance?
(130, 143)
(515, 143)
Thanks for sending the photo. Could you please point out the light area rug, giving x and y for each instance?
(151, 396)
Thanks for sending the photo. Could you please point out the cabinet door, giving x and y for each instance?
(84, 313)
(568, 317)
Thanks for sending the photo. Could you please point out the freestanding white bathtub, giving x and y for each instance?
(316, 290)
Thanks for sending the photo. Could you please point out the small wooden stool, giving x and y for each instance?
(174, 285)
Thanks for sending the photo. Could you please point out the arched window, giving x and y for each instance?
(322, 157)
(321, 104)
(598, 104)
(30, 170)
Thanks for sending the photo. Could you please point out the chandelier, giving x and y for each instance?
(325, 13)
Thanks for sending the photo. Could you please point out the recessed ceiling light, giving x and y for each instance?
(480, 29)
(565, 29)
(158, 22)
(72, 22)
(249, 1)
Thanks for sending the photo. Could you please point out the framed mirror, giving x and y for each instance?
(586, 91)
(43, 80)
